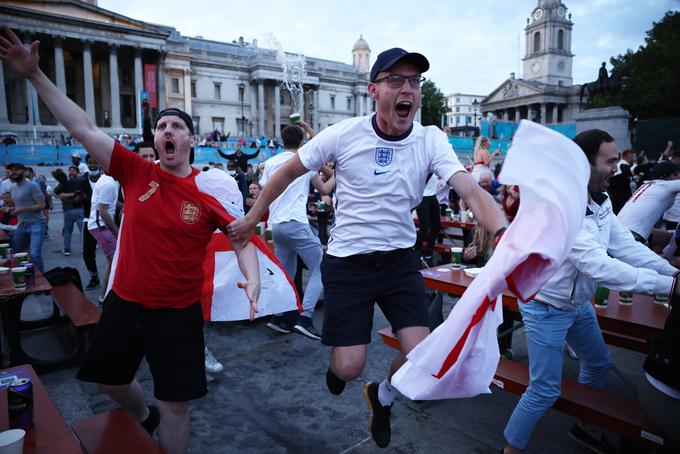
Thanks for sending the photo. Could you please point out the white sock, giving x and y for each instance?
(386, 393)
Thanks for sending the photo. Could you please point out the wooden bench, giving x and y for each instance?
(80, 311)
(592, 405)
(114, 432)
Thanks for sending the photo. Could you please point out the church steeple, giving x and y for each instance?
(548, 56)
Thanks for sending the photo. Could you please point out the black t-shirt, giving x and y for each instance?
(68, 187)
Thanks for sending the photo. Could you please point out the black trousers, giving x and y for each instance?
(429, 224)
(89, 251)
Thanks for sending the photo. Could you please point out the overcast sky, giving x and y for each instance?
(472, 45)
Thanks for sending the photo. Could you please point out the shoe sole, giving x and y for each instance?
(217, 371)
(367, 398)
(277, 328)
(302, 330)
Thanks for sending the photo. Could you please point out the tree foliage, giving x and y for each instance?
(653, 88)
(432, 104)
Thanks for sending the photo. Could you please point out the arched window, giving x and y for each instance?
(560, 39)
(537, 41)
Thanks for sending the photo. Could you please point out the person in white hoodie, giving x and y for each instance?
(605, 253)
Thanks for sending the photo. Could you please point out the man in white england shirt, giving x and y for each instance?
(381, 166)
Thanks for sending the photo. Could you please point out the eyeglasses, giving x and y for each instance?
(397, 81)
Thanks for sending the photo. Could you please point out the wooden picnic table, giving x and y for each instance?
(50, 433)
(4, 238)
(11, 301)
(451, 224)
(624, 326)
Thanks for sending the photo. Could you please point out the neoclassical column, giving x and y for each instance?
(60, 71)
(315, 111)
(115, 86)
(31, 96)
(139, 86)
(253, 99)
(260, 107)
(187, 90)
(555, 113)
(506, 115)
(88, 80)
(3, 99)
(367, 109)
(518, 116)
(544, 111)
(357, 103)
(277, 108)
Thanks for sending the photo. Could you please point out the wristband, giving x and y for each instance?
(499, 234)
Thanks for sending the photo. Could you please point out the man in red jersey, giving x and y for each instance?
(170, 213)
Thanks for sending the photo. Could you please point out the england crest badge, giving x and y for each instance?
(383, 156)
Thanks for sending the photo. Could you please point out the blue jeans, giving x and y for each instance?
(294, 238)
(35, 234)
(546, 330)
(72, 216)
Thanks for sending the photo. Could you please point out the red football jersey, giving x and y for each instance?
(167, 224)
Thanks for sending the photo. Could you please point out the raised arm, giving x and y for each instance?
(242, 229)
(24, 62)
(484, 207)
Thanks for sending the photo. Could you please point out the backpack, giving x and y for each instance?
(60, 276)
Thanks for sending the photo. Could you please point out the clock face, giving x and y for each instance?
(538, 14)
(535, 67)
(561, 11)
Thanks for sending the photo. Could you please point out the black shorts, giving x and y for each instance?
(353, 284)
(170, 339)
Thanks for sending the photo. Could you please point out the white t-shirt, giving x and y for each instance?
(431, 186)
(646, 206)
(291, 205)
(673, 213)
(105, 190)
(378, 181)
(82, 168)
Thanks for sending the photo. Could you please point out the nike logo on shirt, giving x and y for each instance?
(375, 172)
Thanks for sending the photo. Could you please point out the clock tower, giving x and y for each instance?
(548, 56)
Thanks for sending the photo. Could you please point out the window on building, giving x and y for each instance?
(457, 109)
(193, 88)
(349, 103)
(457, 121)
(218, 123)
(196, 121)
(333, 102)
(218, 90)
(560, 39)
(468, 119)
(175, 86)
(457, 100)
(537, 41)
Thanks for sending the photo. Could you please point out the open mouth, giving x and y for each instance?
(404, 108)
(169, 147)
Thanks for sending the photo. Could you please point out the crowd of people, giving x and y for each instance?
(377, 169)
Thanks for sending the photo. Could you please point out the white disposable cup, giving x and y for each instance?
(463, 216)
(12, 441)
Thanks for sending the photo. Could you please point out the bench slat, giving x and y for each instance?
(79, 309)
(114, 432)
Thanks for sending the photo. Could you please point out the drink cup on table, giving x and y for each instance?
(601, 297)
(661, 299)
(456, 257)
(19, 276)
(463, 216)
(625, 298)
(12, 441)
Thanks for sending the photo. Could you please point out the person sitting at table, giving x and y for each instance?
(477, 254)
(482, 158)
(606, 254)
(9, 219)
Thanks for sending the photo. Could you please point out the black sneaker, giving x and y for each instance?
(152, 421)
(305, 327)
(379, 420)
(278, 324)
(597, 445)
(335, 385)
(93, 284)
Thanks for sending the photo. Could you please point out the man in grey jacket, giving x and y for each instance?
(605, 253)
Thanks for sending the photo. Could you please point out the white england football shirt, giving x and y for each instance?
(378, 181)
(291, 205)
(646, 206)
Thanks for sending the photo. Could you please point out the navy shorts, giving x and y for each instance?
(352, 285)
(171, 340)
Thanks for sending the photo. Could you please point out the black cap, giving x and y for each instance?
(390, 57)
(187, 120)
(16, 165)
(664, 169)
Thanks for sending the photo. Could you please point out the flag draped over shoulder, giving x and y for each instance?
(460, 357)
(222, 300)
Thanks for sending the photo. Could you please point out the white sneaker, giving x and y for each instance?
(211, 364)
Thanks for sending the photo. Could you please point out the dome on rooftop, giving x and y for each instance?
(361, 44)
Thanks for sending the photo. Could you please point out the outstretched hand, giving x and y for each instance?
(240, 231)
(20, 59)
(252, 290)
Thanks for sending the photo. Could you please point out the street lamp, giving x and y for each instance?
(475, 109)
(250, 125)
(241, 92)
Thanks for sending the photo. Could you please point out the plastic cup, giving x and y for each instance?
(463, 216)
(3, 249)
(626, 298)
(21, 257)
(19, 276)
(12, 441)
(448, 213)
(258, 230)
(661, 299)
(269, 234)
(295, 117)
(456, 256)
(601, 297)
